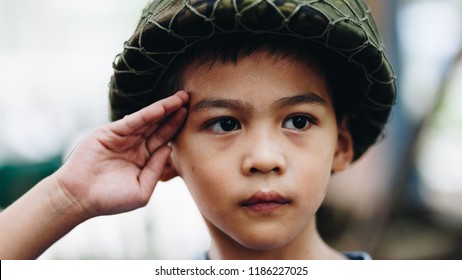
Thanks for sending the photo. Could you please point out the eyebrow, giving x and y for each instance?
(230, 104)
(306, 98)
(237, 105)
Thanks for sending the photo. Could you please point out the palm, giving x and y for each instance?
(117, 167)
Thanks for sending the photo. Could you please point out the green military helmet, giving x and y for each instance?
(169, 27)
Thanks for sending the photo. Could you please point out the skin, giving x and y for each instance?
(255, 127)
(115, 169)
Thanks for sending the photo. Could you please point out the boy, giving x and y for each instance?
(272, 97)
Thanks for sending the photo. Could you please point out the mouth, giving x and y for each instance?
(265, 201)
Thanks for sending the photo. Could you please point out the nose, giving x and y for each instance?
(263, 155)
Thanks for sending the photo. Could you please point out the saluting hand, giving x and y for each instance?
(116, 168)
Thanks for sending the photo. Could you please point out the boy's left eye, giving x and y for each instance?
(298, 122)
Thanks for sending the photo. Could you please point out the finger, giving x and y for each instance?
(167, 130)
(149, 128)
(153, 113)
(153, 170)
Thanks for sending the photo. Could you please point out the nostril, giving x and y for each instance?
(256, 170)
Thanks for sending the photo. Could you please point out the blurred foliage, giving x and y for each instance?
(17, 178)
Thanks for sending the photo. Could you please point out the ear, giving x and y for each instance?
(344, 152)
(169, 172)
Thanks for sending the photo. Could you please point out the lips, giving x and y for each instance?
(265, 201)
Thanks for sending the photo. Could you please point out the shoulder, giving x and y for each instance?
(354, 255)
(357, 255)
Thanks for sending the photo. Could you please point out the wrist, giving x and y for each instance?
(36, 220)
(63, 204)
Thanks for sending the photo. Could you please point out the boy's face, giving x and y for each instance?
(258, 148)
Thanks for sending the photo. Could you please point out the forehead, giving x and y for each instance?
(255, 78)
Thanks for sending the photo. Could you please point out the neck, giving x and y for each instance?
(306, 245)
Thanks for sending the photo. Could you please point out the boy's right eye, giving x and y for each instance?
(224, 125)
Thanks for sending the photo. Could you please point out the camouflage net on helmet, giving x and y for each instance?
(169, 27)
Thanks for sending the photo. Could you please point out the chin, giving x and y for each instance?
(262, 243)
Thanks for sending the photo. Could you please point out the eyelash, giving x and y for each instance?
(308, 118)
(234, 124)
(209, 125)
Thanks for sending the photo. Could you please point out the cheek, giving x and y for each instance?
(312, 171)
(200, 168)
(326, 148)
(314, 184)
